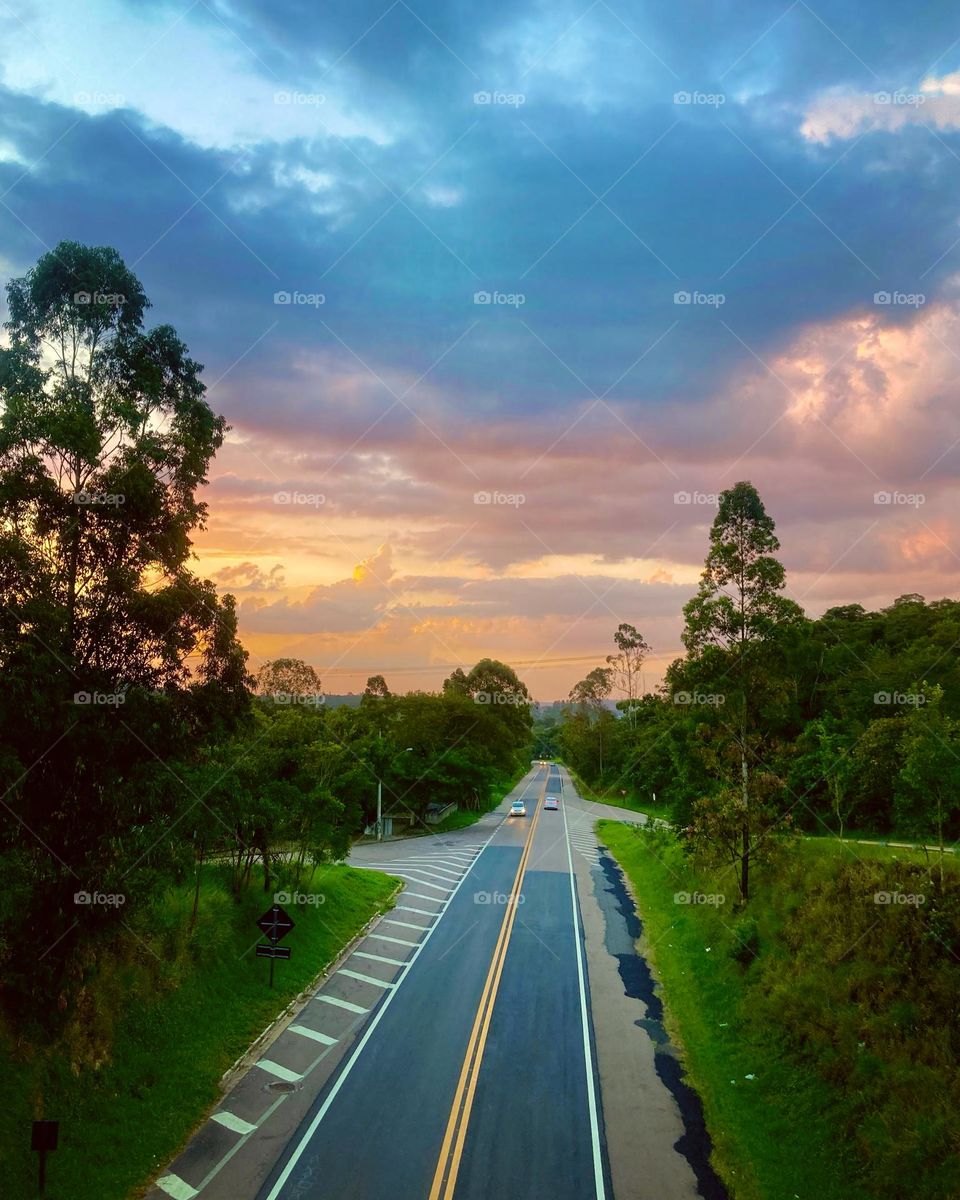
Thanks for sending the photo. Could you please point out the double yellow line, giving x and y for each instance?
(448, 1165)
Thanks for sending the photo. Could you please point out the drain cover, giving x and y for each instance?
(281, 1085)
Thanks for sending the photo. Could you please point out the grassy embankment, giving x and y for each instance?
(819, 1026)
(171, 1011)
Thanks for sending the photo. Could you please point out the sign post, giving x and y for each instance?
(275, 924)
(43, 1138)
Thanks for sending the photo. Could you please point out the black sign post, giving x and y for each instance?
(43, 1138)
(275, 924)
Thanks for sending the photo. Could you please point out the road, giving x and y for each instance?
(487, 1038)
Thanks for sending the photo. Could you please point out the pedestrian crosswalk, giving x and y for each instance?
(584, 842)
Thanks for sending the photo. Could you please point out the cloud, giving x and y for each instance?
(842, 114)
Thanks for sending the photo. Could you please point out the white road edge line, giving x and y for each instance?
(584, 1022)
(371, 1028)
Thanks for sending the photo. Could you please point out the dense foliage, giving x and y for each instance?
(847, 722)
(135, 749)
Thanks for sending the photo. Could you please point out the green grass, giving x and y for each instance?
(854, 1096)
(120, 1124)
(614, 797)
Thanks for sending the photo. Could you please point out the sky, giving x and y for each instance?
(497, 299)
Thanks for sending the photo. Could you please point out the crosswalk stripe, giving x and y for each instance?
(365, 978)
(236, 1124)
(313, 1034)
(394, 962)
(174, 1186)
(272, 1068)
(347, 1004)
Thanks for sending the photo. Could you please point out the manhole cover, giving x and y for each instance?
(281, 1085)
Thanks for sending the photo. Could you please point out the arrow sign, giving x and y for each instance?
(272, 951)
(275, 923)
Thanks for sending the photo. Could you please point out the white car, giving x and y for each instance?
(552, 804)
(518, 809)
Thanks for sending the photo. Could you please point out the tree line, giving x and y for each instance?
(773, 722)
(135, 745)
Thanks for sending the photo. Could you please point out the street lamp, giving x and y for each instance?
(380, 793)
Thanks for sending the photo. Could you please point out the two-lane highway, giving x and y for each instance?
(480, 1056)
(479, 1042)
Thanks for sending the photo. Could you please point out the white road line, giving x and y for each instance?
(368, 1034)
(449, 868)
(409, 908)
(386, 938)
(347, 1004)
(380, 983)
(416, 896)
(273, 1068)
(313, 1034)
(394, 962)
(229, 1121)
(421, 882)
(446, 876)
(585, 1026)
(174, 1186)
(405, 924)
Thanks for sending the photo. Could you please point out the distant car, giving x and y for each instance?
(518, 809)
(552, 803)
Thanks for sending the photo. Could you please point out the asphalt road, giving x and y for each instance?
(479, 1043)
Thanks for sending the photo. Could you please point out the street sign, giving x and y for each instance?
(273, 951)
(43, 1138)
(275, 923)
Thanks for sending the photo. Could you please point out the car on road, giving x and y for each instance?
(518, 809)
(551, 803)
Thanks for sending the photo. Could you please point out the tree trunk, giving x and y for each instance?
(745, 829)
(196, 891)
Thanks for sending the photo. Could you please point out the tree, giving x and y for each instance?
(627, 664)
(731, 626)
(377, 687)
(589, 694)
(289, 679)
(115, 656)
(929, 782)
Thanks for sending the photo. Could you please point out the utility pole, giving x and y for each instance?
(379, 788)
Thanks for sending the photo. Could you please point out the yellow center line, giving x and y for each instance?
(448, 1165)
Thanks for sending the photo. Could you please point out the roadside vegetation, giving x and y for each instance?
(157, 794)
(818, 1023)
(173, 1004)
